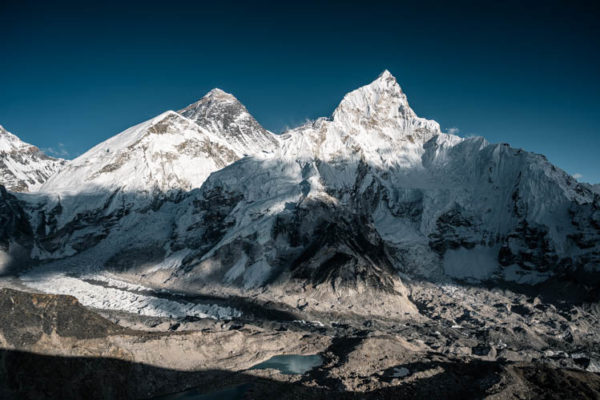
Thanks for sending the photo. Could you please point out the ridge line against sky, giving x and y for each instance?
(525, 73)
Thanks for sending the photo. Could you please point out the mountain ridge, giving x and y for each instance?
(338, 207)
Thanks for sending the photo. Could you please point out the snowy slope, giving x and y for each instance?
(23, 167)
(168, 152)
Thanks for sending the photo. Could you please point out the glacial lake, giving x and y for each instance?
(292, 364)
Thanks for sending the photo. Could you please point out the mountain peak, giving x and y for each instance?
(213, 98)
(385, 82)
(10, 142)
(211, 104)
(381, 98)
(385, 75)
(222, 114)
(218, 93)
(381, 106)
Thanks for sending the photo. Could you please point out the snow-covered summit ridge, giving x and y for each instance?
(24, 167)
(172, 151)
(166, 152)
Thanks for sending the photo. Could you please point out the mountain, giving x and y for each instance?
(138, 170)
(336, 210)
(23, 167)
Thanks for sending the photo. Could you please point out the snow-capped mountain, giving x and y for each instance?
(23, 167)
(170, 152)
(375, 185)
(372, 122)
(334, 209)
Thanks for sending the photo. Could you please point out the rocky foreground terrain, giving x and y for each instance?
(465, 342)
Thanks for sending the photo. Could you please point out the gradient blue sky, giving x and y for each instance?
(75, 73)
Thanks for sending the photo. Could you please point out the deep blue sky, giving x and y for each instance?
(75, 74)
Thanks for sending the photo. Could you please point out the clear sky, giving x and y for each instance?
(528, 73)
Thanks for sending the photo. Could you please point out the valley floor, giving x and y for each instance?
(465, 342)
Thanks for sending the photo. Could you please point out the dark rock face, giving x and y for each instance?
(52, 238)
(16, 235)
(209, 211)
(343, 251)
(529, 247)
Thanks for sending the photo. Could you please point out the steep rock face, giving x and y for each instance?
(23, 167)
